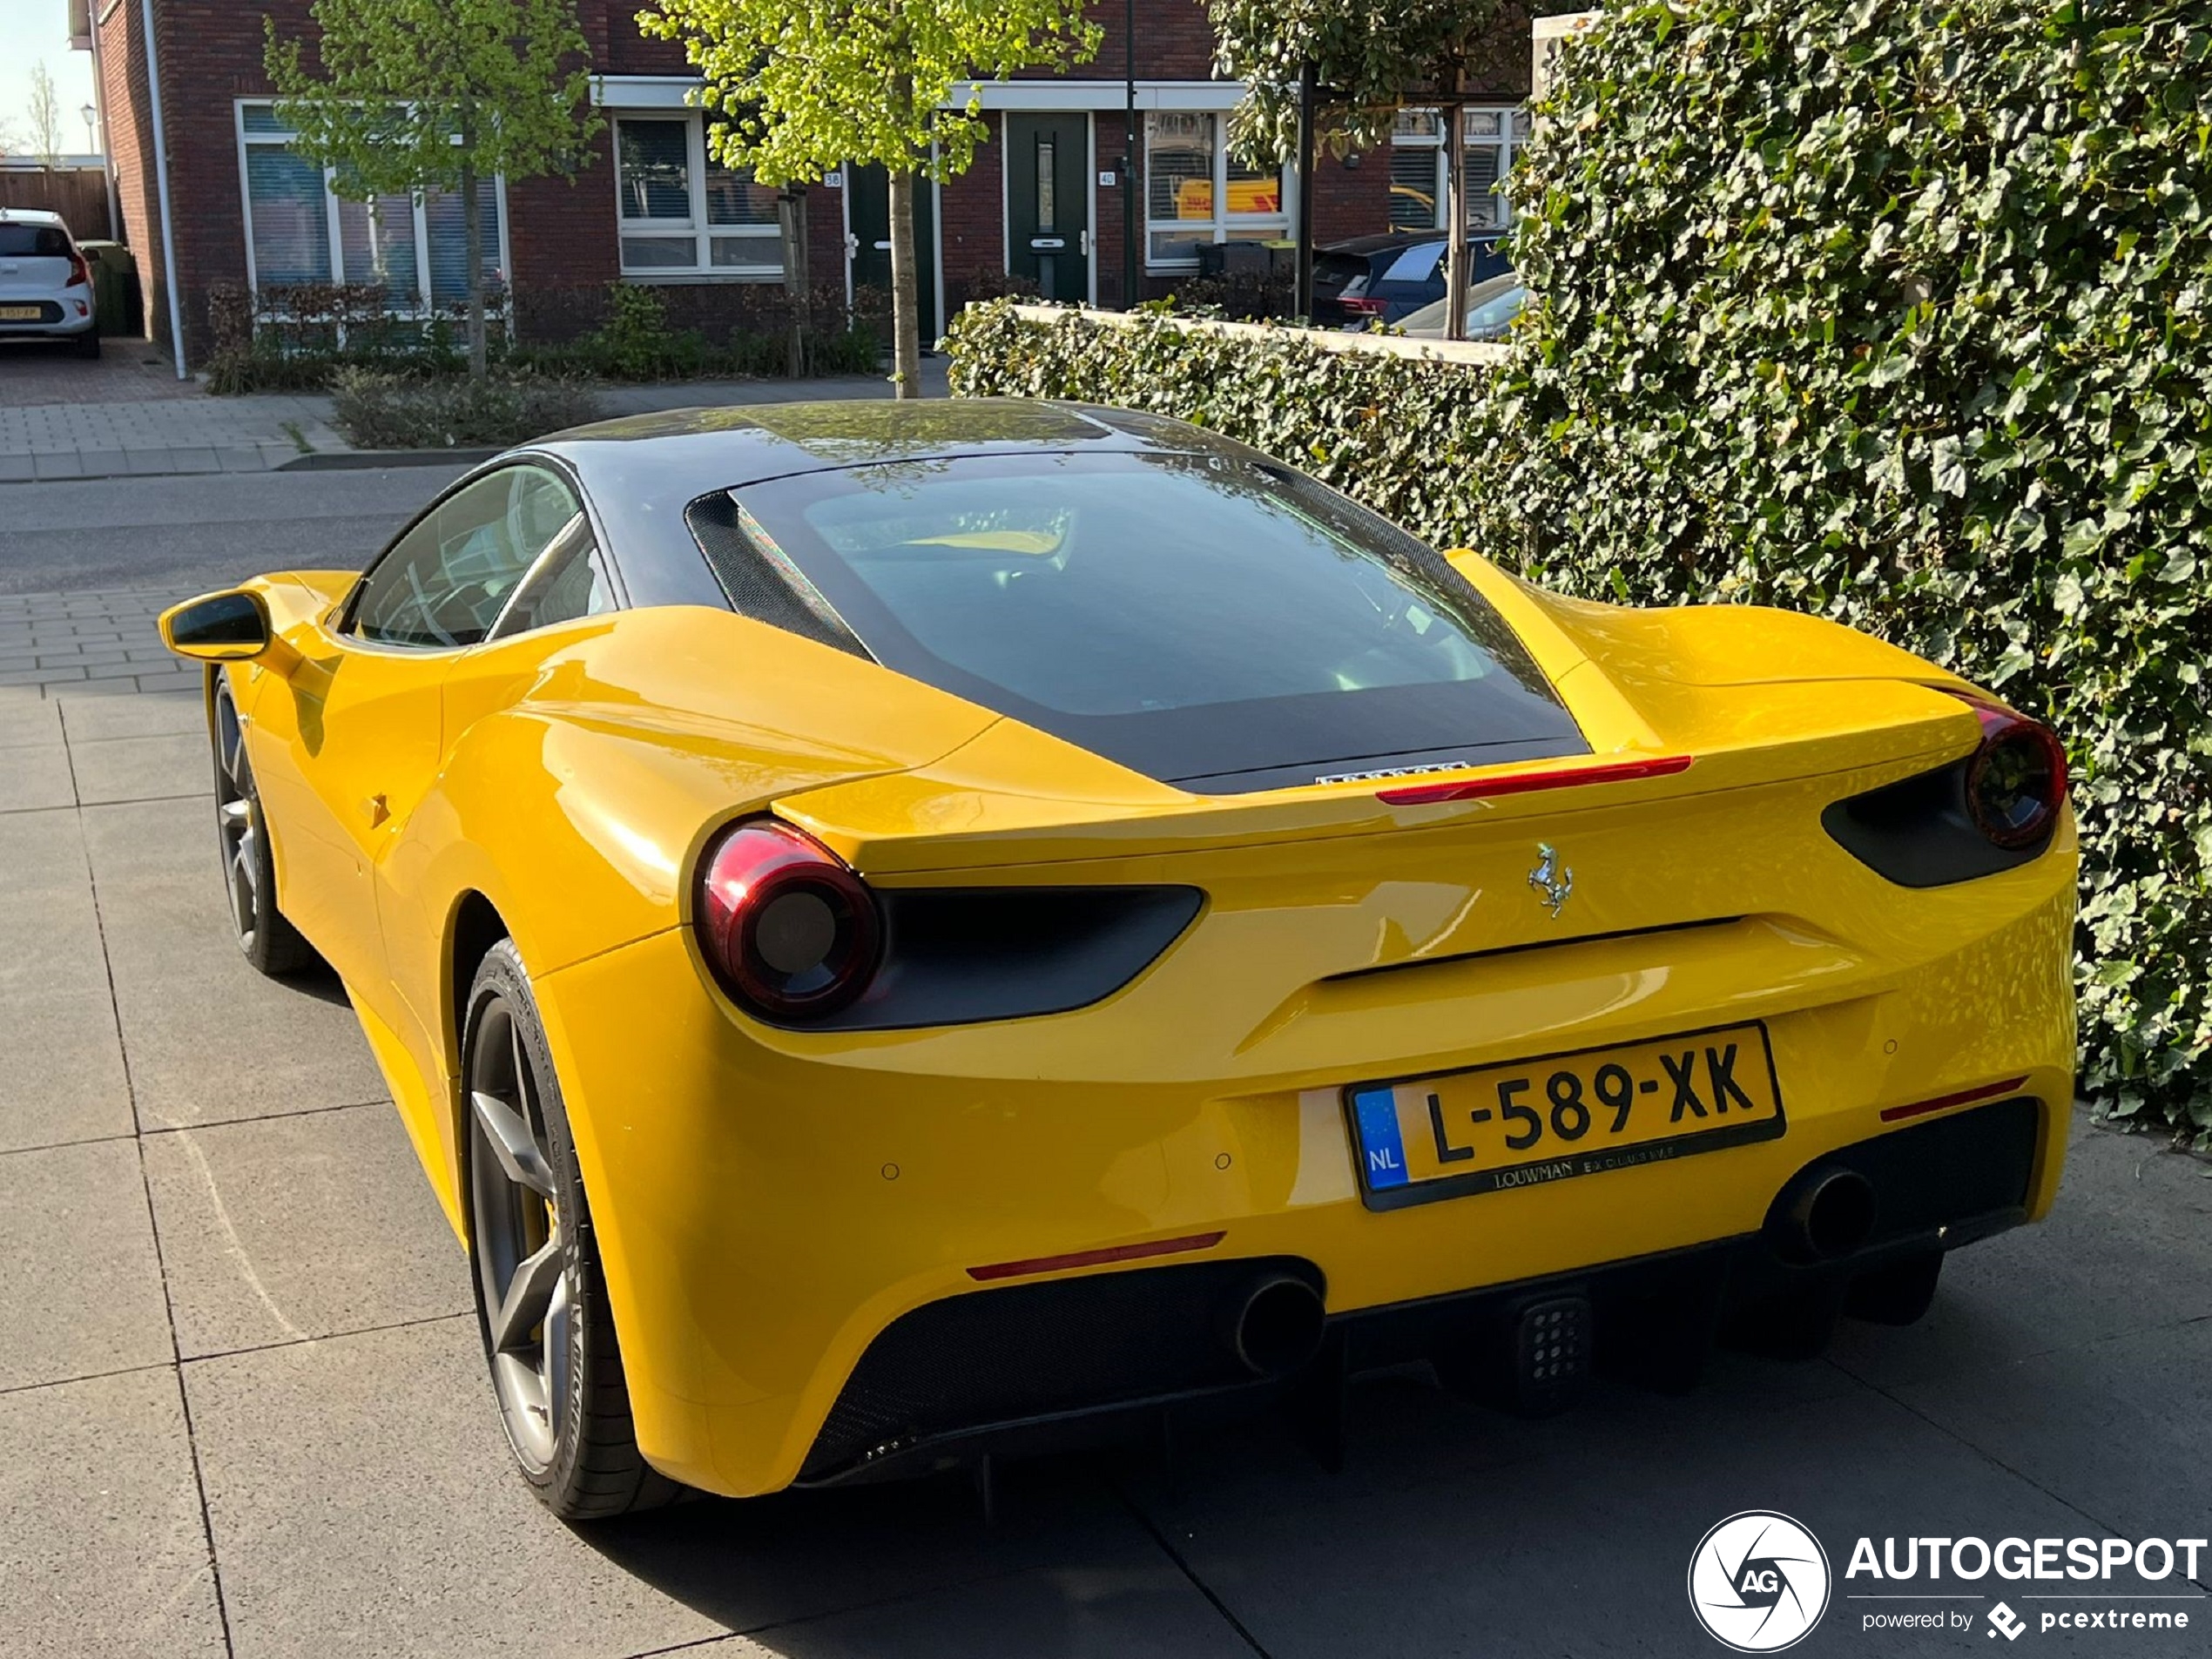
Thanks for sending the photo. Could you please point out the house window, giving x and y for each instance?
(298, 229)
(1195, 193)
(685, 215)
(1491, 140)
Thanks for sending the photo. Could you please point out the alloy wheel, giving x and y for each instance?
(238, 821)
(522, 1236)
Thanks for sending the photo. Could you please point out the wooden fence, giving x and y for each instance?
(78, 194)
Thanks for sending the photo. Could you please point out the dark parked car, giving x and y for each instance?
(1380, 279)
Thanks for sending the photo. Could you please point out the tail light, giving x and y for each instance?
(1362, 305)
(80, 269)
(2016, 781)
(1987, 812)
(788, 929)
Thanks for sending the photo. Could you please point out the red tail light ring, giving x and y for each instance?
(790, 931)
(2016, 782)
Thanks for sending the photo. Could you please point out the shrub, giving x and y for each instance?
(381, 410)
(1896, 313)
(297, 336)
(1404, 435)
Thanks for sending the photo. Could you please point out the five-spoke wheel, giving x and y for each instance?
(541, 1298)
(270, 943)
(522, 1248)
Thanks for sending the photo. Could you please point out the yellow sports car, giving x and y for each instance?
(906, 933)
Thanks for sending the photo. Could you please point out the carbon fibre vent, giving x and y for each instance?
(763, 589)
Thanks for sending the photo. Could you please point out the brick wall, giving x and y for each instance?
(211, 54)
(1173, 42)
(971, 217)
(123, 89)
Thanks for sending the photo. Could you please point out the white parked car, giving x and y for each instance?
(1491, 306)
(45, 281)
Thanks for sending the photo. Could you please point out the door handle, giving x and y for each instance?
(1083, 243)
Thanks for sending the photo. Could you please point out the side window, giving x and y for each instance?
(569, 581)
(444, 583)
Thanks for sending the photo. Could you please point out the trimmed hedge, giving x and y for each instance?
(1897, 313)
(380, 410)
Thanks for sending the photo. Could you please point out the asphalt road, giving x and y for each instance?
(243, 1413)
(189, 534)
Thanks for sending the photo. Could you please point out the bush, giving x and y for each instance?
(1894, 314)
(380, 410)
(296, 337)
(299, 338)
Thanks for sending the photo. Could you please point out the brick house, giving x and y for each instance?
(1046, 199)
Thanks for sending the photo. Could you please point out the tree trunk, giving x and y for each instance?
(1302, 299)
(474, 221)
(1455, 256)
(906, 299)
(799, 289)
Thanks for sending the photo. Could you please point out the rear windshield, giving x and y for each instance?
(1218, 623)
(33, 242)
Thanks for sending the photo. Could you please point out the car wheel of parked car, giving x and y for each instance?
(270, 943)
(88, 343)
(541, 1297)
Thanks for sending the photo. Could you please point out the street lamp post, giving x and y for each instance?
(91, 128)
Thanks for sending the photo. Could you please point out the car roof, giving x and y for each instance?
(1363, 246)
(33, 216)
(640, 472)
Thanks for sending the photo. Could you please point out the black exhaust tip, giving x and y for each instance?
(1829, 1213)
(1275, 1326)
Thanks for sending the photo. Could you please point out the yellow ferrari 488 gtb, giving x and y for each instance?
(904, 933)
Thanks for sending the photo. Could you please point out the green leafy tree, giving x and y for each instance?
(421, 95)
(803, 86)
(1367, 61)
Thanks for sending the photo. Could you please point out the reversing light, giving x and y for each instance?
(2016, 782)
(788, 929)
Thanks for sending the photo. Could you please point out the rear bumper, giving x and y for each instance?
(771, 1207)
(1073, 1359)
(58, 320)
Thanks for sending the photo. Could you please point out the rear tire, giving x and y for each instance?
(541, 1307)
(271, 944)
(88, 343)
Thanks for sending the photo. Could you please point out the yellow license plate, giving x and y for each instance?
(1527, 1122)
(21, 313)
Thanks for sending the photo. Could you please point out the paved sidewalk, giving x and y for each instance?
(156, 435)
(89, 643)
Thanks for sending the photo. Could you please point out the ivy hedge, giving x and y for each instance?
(1896, 312)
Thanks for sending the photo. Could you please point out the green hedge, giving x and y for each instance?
(1892, 313)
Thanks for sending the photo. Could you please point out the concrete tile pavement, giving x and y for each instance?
(242, 1407)
(94, 643)
(40, 441)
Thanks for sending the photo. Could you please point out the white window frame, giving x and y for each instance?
(694, 225)
(1215, 229)
(1508, 141)
(424, 307)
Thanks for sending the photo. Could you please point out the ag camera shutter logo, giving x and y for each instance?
(1758, 1582)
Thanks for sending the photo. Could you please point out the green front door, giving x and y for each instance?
(1047, 203)
(867, 207)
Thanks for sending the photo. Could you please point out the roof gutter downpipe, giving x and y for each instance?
(161, 190)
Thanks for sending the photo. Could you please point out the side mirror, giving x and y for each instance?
(229, 627)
